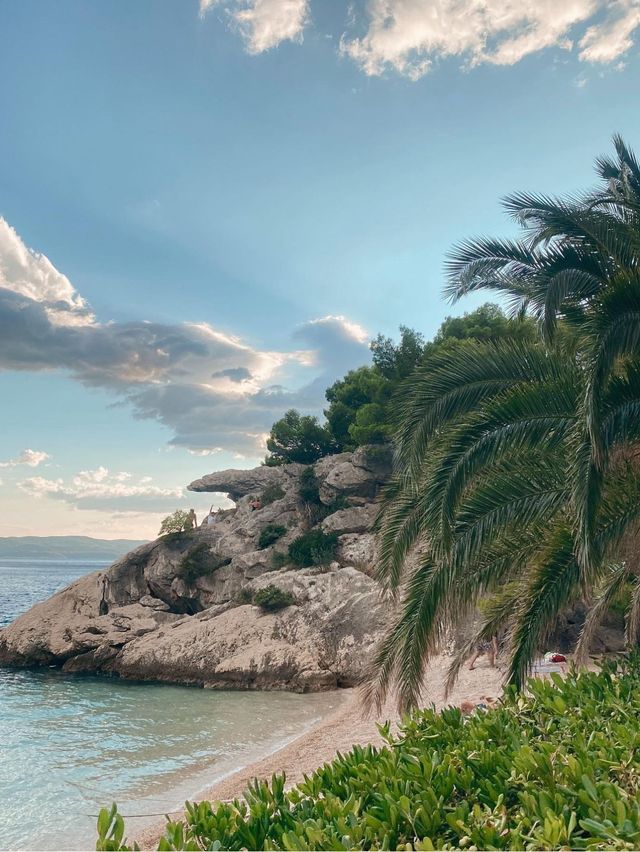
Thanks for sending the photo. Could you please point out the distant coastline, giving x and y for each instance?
(64, 547)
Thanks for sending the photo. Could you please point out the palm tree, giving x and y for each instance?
(517, 462)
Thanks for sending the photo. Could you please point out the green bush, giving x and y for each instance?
(198, 561)
(272, 598)
(553, 768)
(313, 548)
(270, 534)
(308, 489)
(271, 493)
(279, 560)
(244, 596)
(173, 523)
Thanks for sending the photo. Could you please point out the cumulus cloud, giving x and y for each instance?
(409, 35)
(264, 24)
(30, 458)
(211, 389)
(102, 490)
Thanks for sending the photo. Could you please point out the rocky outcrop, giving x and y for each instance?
(176, 609)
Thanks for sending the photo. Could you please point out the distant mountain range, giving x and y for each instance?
(64, 547)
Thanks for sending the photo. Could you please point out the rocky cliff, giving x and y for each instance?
(176, 609)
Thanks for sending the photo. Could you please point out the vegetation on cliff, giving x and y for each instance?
(361, 405)
(551, 768)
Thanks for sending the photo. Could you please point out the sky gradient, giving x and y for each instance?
(209, 209)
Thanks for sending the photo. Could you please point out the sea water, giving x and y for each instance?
(72, 744)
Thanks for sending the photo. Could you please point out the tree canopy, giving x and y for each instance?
(360, 407)
(518, 459)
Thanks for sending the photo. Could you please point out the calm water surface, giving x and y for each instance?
(69, 745)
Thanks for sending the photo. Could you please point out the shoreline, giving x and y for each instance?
(348, 725)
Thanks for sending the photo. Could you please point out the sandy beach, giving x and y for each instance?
(348, 725)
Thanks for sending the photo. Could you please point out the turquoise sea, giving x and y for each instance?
(70, 744)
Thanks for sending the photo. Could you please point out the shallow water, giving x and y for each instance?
(69, 745)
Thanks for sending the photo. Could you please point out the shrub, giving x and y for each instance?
(308, 488)
(270, 534)
(279, 560)
(244, 596)
(173, 523)
(198, 561)
(551, 768)
(313, 548)
(272, 599)
(271, 493)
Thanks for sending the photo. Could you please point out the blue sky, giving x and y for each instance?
(253, 186)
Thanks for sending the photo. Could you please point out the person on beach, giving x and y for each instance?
(191, 522)
(488, 647)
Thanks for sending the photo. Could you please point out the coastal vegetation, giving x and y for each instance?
(313, 548)
(361, 404)
(272, 598)
(517, 460)
(270, 534)
(552, 767)
(174, 523)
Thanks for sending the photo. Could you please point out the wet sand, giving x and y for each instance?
(349, 725)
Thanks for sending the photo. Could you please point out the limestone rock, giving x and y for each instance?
(170, 610)
(242, 483)
(356, 519)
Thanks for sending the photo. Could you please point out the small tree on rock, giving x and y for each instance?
(298, 438)
(173, 523)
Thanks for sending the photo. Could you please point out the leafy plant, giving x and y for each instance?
(270, 494)
(272, 598)
(308, 488)
(517, 458)
(198, 561)
(313, 548)
(298, 438)
(173, 523)
(244, 596)
(554, 768)
(279, 560)
(270, 534)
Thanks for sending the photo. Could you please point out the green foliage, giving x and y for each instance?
(270, 534)
(553, 768)
(298, 438)
(244, 596)
(518, 455)
(308, 489)
(272, 598)
(364, 387)
(198, 561)
(313, 548)
(270, 494)
(396, 361)
(278, 560)
(111, 831)
(173, 523)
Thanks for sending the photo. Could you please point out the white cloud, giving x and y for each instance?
(30, 458)
(606, 42)
(264, 24)
(101, 490)
(408, 36)
(32, 275)
(210, 388)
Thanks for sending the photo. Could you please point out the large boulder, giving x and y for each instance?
(321, 642)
